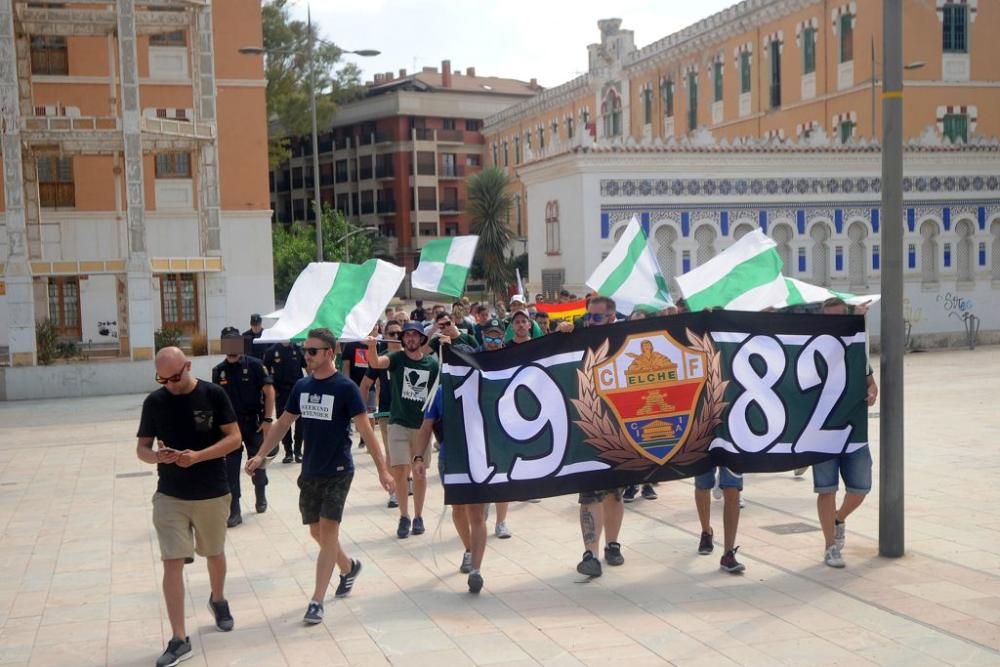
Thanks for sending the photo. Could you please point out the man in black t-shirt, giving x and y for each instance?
(196, 427)
(285, 363)
(251, 391)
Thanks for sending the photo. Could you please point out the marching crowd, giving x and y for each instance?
(310, 398)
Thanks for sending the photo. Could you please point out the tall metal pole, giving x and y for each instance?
(874, 81)
(317, 206)
(890, 525)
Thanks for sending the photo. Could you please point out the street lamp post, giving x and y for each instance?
(347, 247)
(310, 51)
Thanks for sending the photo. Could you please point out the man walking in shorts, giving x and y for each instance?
(731, 485)
(411, 375)
(196, 427)
(327, 402)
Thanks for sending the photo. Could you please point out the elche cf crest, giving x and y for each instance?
(652, 385)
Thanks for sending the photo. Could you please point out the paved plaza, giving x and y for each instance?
(80, 564)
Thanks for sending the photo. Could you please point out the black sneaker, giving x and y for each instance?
(613, 554)
(589, 566)
(177, 651)
(730, 564)
(648, 493)
(314, 614)
(418, 525)
(475, 582)
(347, 580)
(629, 495)
(220, 612)
(234, 520)
(403, 530)
(298, 458)
(706, 546)
(287, 459)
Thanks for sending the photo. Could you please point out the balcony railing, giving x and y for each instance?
(384, 137)
(424, 134)
(427, 205)
(454, 136)
(386, 207)
(385, 171)
(452, 171)
(57, 195)
(452, 205)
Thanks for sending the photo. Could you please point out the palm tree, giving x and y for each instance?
(489, 207)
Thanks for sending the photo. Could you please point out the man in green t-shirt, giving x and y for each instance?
(445, 325)
(411, 375)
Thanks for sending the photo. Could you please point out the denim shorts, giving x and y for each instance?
(855, 468)
(727, 479)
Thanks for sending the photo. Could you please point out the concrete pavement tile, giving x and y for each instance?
(490, 648)
(80, 631)
(83, 653)
(582, 637)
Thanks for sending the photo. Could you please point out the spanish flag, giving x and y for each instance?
(563, 311)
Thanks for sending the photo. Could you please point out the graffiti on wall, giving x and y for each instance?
(108, 329)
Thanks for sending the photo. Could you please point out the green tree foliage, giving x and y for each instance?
(288, 92)
(489, 208)
(294, 246)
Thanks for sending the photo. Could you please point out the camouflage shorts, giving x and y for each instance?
(323, 497)
(589, 497)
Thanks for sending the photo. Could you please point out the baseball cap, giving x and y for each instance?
(256, 318)
(517, 297)
(231, 332)
(492, 325)
(520, 313)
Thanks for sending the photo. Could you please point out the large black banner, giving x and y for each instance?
(653, 399)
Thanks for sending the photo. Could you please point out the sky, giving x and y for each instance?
(520, 39)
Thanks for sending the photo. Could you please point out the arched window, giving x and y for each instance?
(995, 249)
(665, 237)
(820, 235)
(705, 237)
(742, 230)
(782, 235)
(928, 252)
(857, 255)
(966, 251)
(611, 112)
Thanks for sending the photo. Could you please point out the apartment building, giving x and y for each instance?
(397, 160)
(135, 172)
(767, 115)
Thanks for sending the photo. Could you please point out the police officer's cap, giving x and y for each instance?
(231, 332)
(256, 318)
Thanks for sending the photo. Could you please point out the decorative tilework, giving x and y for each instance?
(982, 254)
(911, 220)
(605, 225)
(947, 255)
(724, 223)
(911, 256)
(875, 220)
(981, 216)
(838, 221)
(685, 224)
(762, 217)
(946, 218)
(838, 259)
(800, 221)
(657, 187)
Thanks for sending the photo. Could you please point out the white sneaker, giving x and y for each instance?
(832, 557)
(717, 491)
(742, 504)
(839, 534)
(466, 563)
(502, 531)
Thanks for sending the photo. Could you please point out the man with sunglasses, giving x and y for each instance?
(327, 402)
(445, 325)
(196, 428)
(251, 391)
(411, 375)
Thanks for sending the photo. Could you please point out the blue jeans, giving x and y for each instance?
(855, 468)
(727, 479)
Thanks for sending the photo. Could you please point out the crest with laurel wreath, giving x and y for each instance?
(603, 434)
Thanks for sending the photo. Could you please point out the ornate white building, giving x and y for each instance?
(820, 202)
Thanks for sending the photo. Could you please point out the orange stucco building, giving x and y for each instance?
(135, 159)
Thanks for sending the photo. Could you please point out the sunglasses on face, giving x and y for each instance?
(313, 351)
(492, 341)
(444, 325)
(597, 317)
(392, 334)
(177, 377)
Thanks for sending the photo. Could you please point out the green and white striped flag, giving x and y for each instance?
(630, 274)
(444, 265)
(345, 298)
(744, 276)
(800, 292)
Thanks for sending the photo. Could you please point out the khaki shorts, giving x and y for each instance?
(186, 527)
(398, 446)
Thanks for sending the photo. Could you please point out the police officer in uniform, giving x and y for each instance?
(285, 362)
(251, 391)
(255, 331)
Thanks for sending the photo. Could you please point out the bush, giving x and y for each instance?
(46, 342)
(199, 344)
(68, 349)
(167, 338)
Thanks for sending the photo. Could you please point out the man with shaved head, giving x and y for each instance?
(193, 426)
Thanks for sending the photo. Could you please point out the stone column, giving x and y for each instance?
(139, 277)
(17, 269)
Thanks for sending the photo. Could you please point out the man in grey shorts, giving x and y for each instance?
(196, 427)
